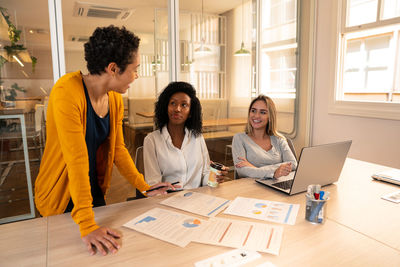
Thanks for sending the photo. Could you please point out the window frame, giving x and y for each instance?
(381, 110)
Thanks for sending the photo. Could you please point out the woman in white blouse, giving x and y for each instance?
(261, 151)
(176, 151)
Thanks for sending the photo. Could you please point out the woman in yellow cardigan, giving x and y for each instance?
(84, 136)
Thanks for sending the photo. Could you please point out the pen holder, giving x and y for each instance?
(315, 209)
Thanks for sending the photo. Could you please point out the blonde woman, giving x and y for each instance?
(261, 151)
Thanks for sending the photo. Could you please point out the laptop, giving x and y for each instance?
(390, 176)
(320, 164)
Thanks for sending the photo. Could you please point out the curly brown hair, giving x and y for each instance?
(110, 44)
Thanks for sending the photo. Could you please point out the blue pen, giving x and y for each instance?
(316, 211)
(321, 195)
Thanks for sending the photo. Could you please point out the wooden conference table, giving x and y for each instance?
(361, 230)
(208, 122)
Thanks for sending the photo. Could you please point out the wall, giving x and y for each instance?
(374, 140)
(238, 69)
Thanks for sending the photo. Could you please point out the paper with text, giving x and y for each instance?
(241, 234)
(169, 226)
(265, 210)
(198, 203)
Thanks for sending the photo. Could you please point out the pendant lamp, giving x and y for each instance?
(202, 49)
(242, 51)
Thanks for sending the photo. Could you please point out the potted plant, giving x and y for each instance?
(14, 35)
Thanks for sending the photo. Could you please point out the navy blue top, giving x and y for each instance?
(97, 131)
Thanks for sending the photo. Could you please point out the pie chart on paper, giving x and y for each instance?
(191, 223)
(260, 205)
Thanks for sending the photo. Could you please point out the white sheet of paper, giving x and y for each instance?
(241, 234)
(169, 226)
(233, 258)
(198, 203)
(265, 210)
(393, 197)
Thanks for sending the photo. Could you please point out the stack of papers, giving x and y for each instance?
(181, 229)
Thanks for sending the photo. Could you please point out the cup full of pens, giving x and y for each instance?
(316, 204)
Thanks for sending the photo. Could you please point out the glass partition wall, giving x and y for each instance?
(229, 50)
(26, 78)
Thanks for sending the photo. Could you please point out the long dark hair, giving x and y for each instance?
(194, 122)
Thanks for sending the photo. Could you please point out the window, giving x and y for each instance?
(278, 48)
(369, 51)
(278, 58)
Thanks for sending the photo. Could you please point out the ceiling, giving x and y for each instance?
(32, 16)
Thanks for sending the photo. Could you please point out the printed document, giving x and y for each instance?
(241, 234)
(265, 210)
(198, 203)
(169, 226)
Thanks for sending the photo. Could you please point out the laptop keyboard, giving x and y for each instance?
(284, 185)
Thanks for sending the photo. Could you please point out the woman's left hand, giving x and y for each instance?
(224, 175)
(163, 187)
(243, 163)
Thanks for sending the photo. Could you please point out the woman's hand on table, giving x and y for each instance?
(102, 240)
(162, 189)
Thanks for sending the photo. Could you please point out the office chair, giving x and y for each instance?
(34, 133)
(291, 146)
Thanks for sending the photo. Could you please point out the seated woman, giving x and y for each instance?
(262, 151)
(176, 151)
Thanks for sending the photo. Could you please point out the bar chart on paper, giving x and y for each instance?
(242, 234)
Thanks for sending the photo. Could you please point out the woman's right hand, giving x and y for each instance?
(283, 170)
(102, 240)
(163, 189)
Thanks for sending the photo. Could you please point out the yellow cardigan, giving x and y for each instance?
(64, 170)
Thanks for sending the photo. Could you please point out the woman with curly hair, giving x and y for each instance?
(261, 151)
(84, 136)
(176, 151)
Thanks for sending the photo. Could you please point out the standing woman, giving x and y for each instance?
(261, 151)
(176, 151)
(84, 136)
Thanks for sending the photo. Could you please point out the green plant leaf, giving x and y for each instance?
(3, 60)
(15, 86)
(14, 49)
(34, 61)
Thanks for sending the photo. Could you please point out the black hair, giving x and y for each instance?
(110, 44)
(194, 122)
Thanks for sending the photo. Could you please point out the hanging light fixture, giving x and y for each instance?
(202, 49)
(242, 51)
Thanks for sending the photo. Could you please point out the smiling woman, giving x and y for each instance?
(262, 152)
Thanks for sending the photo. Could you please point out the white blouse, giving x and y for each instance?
(163, 162)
